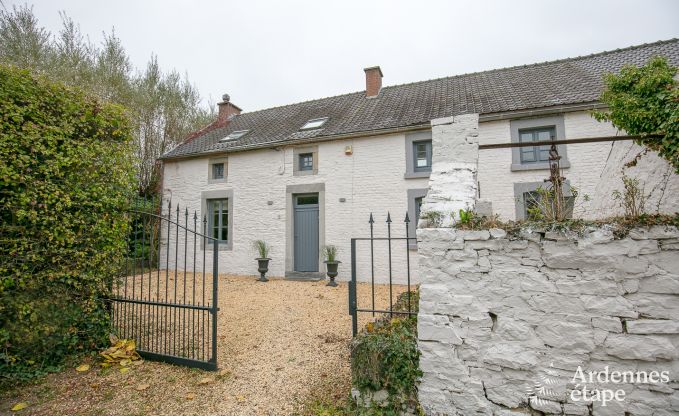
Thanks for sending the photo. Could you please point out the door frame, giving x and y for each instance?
(290, 192)
(310, 207)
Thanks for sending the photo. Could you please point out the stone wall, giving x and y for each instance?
(500, 316)
(656, 177)
(452, 183)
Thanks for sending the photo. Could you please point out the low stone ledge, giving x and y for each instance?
(658, 232)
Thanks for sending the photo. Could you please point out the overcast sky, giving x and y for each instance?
(269, 53)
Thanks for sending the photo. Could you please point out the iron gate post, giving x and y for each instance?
(352, 290)
(215, 309)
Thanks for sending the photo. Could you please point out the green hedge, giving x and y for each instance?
(66, 173)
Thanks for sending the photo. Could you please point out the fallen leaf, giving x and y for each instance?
(83, 367)
(94, 385)
(19, 406)
(190, 396)
(124, 370)
(240, 399)
(125, 362)
(205, 380)
(105, 365)
(223, 373)
(143, 387)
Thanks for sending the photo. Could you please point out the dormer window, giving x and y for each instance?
(235, 135)
(314, 123)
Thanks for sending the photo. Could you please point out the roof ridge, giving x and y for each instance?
(556, 61)
(643, 45)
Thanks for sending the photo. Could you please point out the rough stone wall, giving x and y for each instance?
(369, 180)
(497, 314)
(453, 183)
(656, 176)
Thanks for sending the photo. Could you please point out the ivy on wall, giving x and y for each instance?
(645, 101)
(65, 176)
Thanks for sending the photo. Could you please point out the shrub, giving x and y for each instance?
(645, 101)
(385, 356)
(65, 176)
(632, 198)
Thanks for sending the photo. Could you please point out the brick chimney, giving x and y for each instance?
(226, 109)
(373, 81)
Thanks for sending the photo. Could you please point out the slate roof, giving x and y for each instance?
(537, 86)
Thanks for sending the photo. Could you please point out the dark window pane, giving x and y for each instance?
(306, 161)
(307, 200)
(218, 171)
(218, 220)
(531, 201)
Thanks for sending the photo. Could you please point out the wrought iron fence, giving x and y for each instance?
(163, 298)
(404, 243)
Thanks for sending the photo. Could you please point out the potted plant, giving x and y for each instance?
(262, 249)
(331, 263)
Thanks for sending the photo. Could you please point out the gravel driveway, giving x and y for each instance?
(281, 344)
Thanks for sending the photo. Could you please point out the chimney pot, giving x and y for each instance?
(226, 109)
(373, 81)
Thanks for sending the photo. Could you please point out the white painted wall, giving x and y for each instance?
(496, 180)
(371, 180)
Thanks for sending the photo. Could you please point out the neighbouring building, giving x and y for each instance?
(306, 175)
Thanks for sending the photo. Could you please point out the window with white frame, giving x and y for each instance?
(314, 123)
(235, 135)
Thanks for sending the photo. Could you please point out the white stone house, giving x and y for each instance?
(306, 175)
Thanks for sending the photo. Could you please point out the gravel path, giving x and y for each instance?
(280, 344)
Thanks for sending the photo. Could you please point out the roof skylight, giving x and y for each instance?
(235, 135)
(314, 123)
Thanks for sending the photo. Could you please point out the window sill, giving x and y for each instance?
(414, 175)
(304, 172)
(222, 247)
(211, 181)
(516, 167)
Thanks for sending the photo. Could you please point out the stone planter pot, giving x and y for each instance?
(331, 267)
(263, 267)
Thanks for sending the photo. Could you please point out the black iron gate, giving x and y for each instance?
(163, 298)
(392, 243)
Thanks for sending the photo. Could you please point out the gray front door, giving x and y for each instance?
(306, 232)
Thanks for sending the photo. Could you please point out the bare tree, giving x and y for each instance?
(163, 108)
